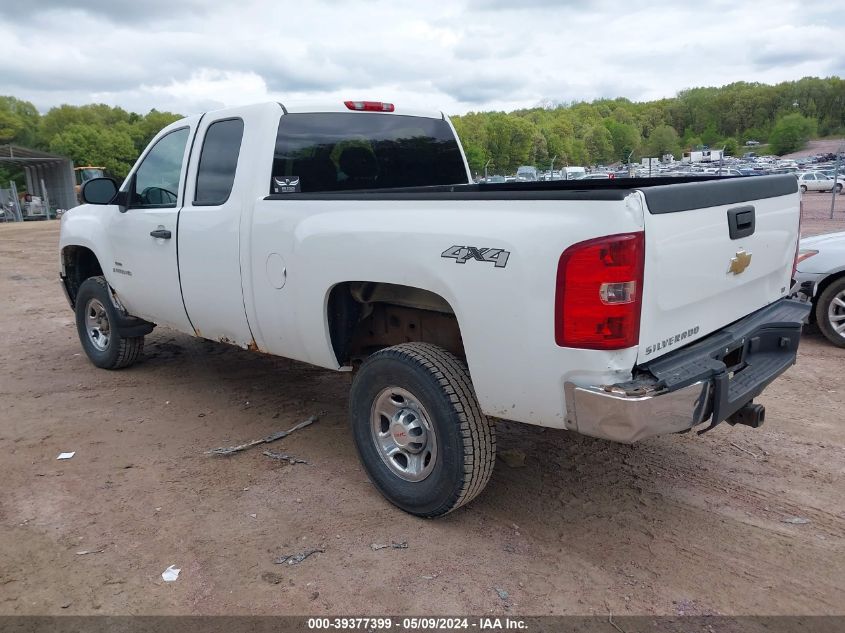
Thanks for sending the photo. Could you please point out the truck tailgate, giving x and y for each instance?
(715, 252)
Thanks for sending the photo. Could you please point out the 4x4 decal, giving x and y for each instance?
(461, 254)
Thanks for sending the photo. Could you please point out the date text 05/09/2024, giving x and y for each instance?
(416, 624)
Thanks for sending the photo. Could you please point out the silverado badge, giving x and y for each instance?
(740, 262)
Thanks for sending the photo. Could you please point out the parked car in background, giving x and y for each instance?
(527, 173)
(819, 181)
(495, 180)
(831, 174)
(820, 278)
(573, 173)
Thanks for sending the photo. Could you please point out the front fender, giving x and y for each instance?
(84, 226)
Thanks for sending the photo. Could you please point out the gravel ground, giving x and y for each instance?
(736, 521)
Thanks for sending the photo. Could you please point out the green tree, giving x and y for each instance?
(143, 129)
(599, 144)
(472, 131)
(59, 119)
(10, 126)
(18, 121)
(539, 149)
(731, 146)
(791, 133)
(694, 142)
(663, 140)
(96, 145)
(476, 157)
(509, 141)
(626, 139)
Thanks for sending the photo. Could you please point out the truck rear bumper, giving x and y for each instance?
(712, 379)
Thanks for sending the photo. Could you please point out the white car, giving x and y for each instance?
(819, 181)
(622, 310)
(820, 276)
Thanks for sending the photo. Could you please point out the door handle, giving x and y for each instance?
(162, 233)
(741, 222)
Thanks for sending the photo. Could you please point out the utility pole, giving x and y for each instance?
(552, 168)
(835, 179)
(485, 167)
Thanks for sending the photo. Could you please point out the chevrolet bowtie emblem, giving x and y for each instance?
(739, 262)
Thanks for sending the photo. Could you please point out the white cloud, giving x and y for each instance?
(472, 55)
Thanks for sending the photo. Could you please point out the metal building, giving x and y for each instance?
(55, 172)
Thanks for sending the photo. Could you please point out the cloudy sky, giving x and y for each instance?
(193, 55)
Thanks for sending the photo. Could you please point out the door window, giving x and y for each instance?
(218, 162)
(156, 182)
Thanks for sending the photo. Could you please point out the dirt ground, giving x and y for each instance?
(672, 525)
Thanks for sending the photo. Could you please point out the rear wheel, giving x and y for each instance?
(418, 429)
(839, 188)
(96, 319)
(803, 188)
(830, 312)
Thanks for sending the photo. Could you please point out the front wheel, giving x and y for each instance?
(96, 319)
(418, 429)
(803, 188)
(839, 188)
(830, 312)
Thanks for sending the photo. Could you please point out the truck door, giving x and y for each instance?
(209, 230)
(145, 272)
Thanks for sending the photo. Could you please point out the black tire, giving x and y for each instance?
(116, 352)
(465, 438)
(824, 305)
(839, 188)
(803, 188)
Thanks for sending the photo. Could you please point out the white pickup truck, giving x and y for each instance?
(351, 237)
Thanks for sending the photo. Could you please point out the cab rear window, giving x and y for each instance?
(320, 152)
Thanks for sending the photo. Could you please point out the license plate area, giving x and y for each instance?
(740, 360)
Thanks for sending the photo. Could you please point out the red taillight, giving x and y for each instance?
(599, 293)
(369, 106)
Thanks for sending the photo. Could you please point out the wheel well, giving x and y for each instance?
(365, 316)
(79, 264)
(823, 284)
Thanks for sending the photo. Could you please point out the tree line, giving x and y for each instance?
(603, 131)
(607, 131)
(96, 134)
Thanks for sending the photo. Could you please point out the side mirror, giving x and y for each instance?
(99, 191)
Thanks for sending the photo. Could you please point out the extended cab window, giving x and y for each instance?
(218, 162)
(156, 182)
(348, 151)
